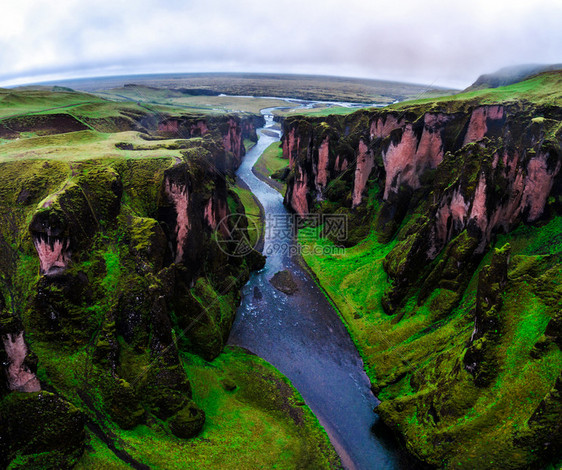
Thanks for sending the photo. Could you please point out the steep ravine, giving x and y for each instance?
(303, 337)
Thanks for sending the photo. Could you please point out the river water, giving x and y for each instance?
(303, 337)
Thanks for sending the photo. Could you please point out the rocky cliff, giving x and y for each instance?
(233, 129)
(110, 269)
(436, 186)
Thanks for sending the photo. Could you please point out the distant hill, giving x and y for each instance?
(509, 75)
(43, 88)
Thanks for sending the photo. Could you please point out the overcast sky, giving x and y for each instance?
(443, 43)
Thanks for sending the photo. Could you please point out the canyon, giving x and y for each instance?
(113, 282)
(122, 314)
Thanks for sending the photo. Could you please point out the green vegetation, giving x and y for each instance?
(84, 145)
(318, 110)
(128, 334)
(248, 144)
(98, 455)
(190, 103)
(16, 102)
(271, 165)
(254, 213)
(409, 361)
(254, 418)
(543, 89)
(460, 335)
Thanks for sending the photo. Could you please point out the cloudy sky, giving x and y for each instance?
(440, 42)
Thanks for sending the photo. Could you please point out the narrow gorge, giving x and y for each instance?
(116, 294)
(170, 300)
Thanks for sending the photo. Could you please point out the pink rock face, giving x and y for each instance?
(405, 161)
(495, 161)
(323, 156)
(200, 128)
(171, 126)
(457, 210)
(527, 192)
(299, 202)
(53, 254)
(248, 127)
(478, 210)
(538, 185)
(179, 196)
(290, 147)
(20, 378)
(215, 215)
(232, 140)
(365, 164)
(340, 166)
(506, 215)
(477, 127)
(383, 126)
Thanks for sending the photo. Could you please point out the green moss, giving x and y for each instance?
(98, 455)
(187, 422)
(262, 423)
(415, 363)
(113, 271)
(541, 89)
(253, 211)
(142, 183)
(207, 316)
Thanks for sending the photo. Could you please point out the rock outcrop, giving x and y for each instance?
(20, 377)
(500, 170)
(436, 185)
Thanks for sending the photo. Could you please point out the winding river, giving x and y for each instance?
(303, 337)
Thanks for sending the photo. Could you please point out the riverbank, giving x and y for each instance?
(413, 286)
(253, 209)
(270, 163)
(255, 418)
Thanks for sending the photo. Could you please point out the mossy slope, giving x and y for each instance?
(460, 332)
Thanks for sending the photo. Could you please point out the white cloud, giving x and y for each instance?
(450, 43)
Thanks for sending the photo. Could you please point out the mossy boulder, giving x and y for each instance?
(166, 388)
(188, 422)
(121, 400)
(56, 311)
(204, 314)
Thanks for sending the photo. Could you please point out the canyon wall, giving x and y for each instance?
(232, 128)
(435, 187)
(119, 264)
